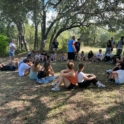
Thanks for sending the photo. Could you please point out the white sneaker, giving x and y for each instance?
(55, 89)
(54, 84)
(99, 84)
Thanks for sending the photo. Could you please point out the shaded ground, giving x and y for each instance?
(22, 101)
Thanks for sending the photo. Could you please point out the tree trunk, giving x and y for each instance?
(36, 37)
(21, 36)
(43, 28)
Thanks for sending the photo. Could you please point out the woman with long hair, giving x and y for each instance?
(84, 80)
(68, 77)
(46, 74)
(34, 70)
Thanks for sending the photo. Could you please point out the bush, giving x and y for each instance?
(3, 45)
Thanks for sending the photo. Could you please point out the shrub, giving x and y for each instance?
(3, 45)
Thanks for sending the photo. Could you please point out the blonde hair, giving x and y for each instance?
(36, 67)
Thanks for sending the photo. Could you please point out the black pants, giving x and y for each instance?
(107, 58)
(87, 83)
(119, 51)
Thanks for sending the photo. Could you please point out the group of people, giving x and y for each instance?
(31, 65)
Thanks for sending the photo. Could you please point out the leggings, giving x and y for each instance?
(86, 83)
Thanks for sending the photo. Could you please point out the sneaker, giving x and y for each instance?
(99, 84)
(54, 84)
(55, 89)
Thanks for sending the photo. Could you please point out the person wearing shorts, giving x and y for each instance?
(68, 77)
(118, 76)
(71, 49)
(11, 51)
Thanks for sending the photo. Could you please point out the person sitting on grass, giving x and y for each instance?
(108, 56)
(63, 56)
(53, 57)
(34, 70)
(46, 74)
(99, 56)
(22, 60)
(12, 67)
(90, 55)
(24, 68)
(68, 77)
(117, 76)
(38, 56)
(84, 80)
(82, 56)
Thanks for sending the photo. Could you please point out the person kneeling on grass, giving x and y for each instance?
(24, 68)
(68, 77)
(46, 74)
(117, 76)
(84, 80)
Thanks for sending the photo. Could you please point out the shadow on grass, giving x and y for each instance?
(22, 101)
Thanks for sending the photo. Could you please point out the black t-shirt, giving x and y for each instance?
(77, 45)
(55, 44)
(90, 55)
(41, 74)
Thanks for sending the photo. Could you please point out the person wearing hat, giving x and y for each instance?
(118, 76)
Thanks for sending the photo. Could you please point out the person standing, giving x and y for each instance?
(120, 46)
(112, 43)
(71, 49)
(11, 51)
(77, 46)
(55, 45)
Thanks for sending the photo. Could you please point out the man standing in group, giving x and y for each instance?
(55, 45)
(77, 46)
(11, 51)
(71, 49)
(120, 46)
(112, 43)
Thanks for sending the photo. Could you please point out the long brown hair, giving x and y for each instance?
(47, 68)
(80, 66)
(36, 66)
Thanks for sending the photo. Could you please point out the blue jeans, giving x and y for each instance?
(107, 49)
(45, 80)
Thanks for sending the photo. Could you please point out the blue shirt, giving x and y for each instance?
(70, 46)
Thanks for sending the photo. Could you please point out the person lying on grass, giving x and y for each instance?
(34, 70)
(12, 67)
(117, 76)
(46, 74)
(68, 77)
(24, 68)
(84, 80)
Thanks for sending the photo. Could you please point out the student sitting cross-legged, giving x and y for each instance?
(46, 74)
(34, 70)
(68, 77)
(84, 80)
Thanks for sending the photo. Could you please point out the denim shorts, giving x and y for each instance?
(45, 80)
(11, 53)
(117, 81)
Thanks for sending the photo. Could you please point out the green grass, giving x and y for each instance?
(22, 101)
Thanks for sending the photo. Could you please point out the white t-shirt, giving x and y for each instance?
(121, 75)
(12, 47)
(21, 61)
(109, 55)
(80, 77)
(37, 56)
(120, 44)
(99, 55)
(22, 68)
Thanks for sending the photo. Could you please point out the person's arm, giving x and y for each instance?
(89, 78)
(51, 71)
(74, 47)
(72, 74)
(114, 72)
